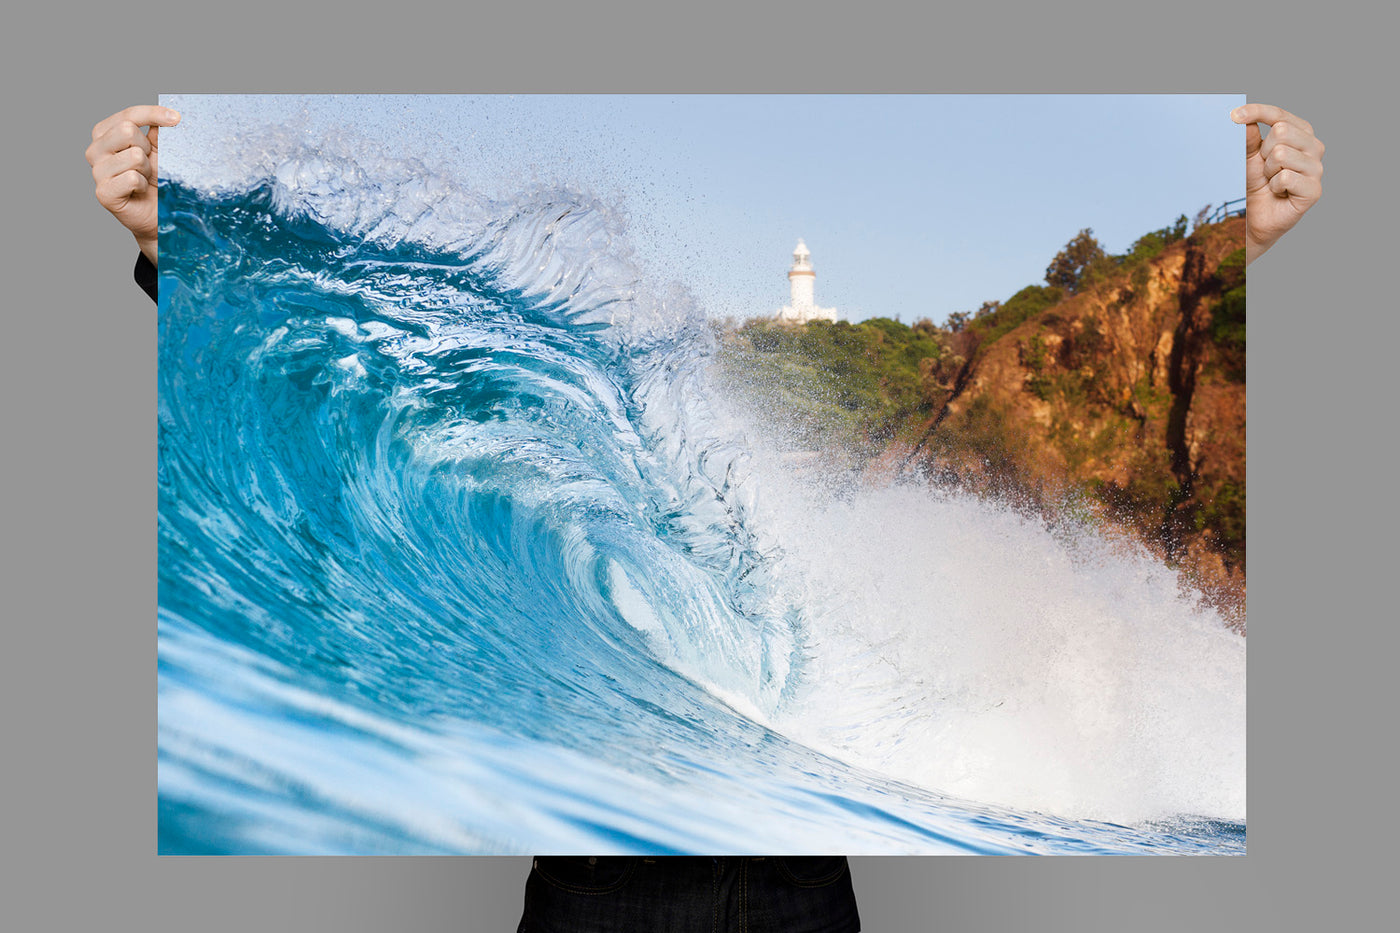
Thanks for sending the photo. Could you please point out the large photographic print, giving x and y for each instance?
(702, 475)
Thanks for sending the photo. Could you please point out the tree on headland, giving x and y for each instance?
(1067, 269)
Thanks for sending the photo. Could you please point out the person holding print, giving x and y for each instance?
(1283, 179)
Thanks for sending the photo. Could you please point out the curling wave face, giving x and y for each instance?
(459, 551)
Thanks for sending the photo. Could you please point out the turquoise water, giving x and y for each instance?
(461, 550)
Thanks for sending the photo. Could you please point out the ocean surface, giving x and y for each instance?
(462, 549)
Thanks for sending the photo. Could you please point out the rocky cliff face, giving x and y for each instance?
(1125, 401)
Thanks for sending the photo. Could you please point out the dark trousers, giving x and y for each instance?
(810, 894)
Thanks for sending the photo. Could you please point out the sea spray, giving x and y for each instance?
(967, 647)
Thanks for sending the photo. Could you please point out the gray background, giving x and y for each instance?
(79, 453)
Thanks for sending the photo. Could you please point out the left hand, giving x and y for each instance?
(1283, 174)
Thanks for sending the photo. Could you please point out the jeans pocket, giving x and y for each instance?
(811, 871)
(580, 875)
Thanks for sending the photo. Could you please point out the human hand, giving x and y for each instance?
(1282, 174)
(123, 161)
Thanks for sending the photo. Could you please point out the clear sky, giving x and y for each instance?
(912, 205)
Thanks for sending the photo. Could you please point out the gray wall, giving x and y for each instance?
(79, 449)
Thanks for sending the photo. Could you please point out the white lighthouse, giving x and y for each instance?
(801, 278)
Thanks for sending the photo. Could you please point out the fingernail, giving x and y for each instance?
(173, 114)
(1235, 114)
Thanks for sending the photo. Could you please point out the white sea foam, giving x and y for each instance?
(960, 646)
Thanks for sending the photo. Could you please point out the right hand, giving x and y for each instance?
(123, 161)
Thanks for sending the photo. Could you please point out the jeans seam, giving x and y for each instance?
(714, 897)
(744, 897)
(811, 883)
(588, 892)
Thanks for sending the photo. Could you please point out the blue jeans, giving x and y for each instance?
(685, 894)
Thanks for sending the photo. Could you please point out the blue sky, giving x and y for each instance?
(912, 205)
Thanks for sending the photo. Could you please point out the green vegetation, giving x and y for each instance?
(1150, 245)
(985, 439)
(1227, 324)
(1083, 262)
(1034, 355)
(854, 385)
(1095, 442)
(1224, 513)
(1067, 269)
(995, 319)
(1149, 495)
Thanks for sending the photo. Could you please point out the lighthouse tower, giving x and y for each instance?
(801, 278)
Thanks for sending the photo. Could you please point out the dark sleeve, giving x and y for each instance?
(146, 275)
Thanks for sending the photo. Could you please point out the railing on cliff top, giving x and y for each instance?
(1228, 209)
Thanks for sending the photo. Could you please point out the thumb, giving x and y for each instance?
(1252, 139)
